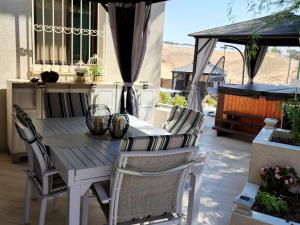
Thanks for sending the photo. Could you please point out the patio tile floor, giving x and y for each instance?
(224, 177)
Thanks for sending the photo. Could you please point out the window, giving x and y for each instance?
(64, 31)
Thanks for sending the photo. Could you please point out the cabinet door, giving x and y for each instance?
(106, 96)
(146, 104)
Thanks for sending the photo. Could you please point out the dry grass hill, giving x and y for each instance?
(274, 69)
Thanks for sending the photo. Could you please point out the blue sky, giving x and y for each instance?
(187, 16)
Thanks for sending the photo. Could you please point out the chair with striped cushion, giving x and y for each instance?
(148, 179)
(65, 104)
(41, 174)
(184, 121)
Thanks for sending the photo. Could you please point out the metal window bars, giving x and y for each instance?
(63, 30)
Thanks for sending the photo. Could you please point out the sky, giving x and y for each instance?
(183, 17)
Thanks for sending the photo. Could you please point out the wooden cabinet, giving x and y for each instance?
(30, 98)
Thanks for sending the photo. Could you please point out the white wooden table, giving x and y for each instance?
(83, 159)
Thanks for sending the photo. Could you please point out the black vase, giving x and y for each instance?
(49, 76)
(97, 119)
(118, 125)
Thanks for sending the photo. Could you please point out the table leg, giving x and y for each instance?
(74, 205)
(194, 196)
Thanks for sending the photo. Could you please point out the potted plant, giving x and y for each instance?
(81, 70)
(96, 72)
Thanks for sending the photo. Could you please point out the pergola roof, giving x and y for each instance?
(188, 69)
(283, 33)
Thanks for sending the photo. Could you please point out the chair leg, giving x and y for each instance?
(85, 209)
(27, 202)
(43, 211)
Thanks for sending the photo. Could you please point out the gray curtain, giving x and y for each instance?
(203, 50)
(253, 63)
(129, 26)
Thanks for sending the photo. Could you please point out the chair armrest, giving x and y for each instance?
(50, 172)
(246, 199)
(102, 194)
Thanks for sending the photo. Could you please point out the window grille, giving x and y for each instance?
(64, 31)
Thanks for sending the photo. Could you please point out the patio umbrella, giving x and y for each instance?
(129, 27)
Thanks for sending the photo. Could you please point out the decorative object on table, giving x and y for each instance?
(81, 70)
(34, 80)
(49, 76)
(118, 125)
(98, 118)
(95, 70)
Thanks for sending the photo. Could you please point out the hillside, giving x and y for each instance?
(273, 70)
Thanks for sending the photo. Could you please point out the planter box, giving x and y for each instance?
(265, 153)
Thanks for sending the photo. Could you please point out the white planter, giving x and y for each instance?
(265, 153)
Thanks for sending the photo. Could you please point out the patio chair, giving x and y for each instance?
(63, 103)
(148, 180)
(41, 175)
(184, 121)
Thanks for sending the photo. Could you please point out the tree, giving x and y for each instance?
(276, 50)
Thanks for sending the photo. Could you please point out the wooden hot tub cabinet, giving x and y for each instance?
(241, 109)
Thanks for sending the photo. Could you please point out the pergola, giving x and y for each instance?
(285, 32)
(182, 76)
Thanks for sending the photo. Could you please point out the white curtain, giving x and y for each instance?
(204, 49)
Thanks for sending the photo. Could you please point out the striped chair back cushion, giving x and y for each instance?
(25, 120)
(34, 137)
(66, 104)
(157, 143)
(184, 121)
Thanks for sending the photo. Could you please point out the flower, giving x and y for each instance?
(286, 182)
(277, 176)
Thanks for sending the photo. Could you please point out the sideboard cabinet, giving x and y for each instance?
(29, 96)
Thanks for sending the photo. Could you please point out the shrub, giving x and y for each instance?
(271, 203)
(164, 98)
(179, 100)
(293, 114)
(280, 180)
(211, 102)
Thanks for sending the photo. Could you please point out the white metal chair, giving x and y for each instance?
(184, 121)
(41, 175)
(148, 180)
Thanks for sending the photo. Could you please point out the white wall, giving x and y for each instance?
(15, 20)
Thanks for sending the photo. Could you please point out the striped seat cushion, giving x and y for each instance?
(156, 143)
(184, 121)
(66, 104)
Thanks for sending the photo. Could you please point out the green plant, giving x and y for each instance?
(211, 102)
(293, 114)
(179, 100)
(271, 203)
(95, 70)
(280, 180)
(164, 98)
